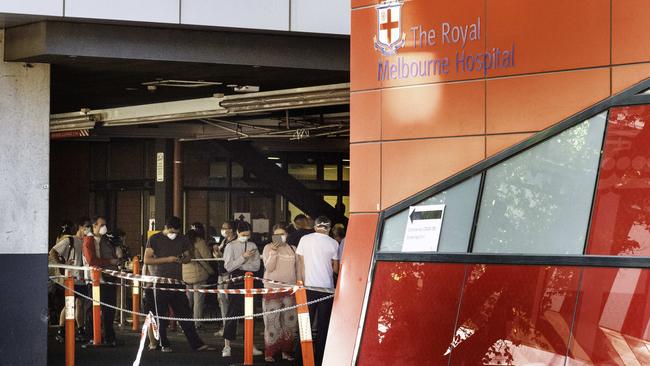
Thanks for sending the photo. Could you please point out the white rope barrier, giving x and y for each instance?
(198, 319)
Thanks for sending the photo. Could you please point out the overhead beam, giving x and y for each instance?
(56, 42)
(281, 182)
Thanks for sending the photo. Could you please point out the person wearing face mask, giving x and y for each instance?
(240, 256)
(98, 252)
(227, 235)
(279, 328)
(166, 252)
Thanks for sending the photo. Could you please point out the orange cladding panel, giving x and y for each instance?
(365, 177)
(630, 39)
(359, 3)
(625, 76)
(413, 165)
(365, 117)
(551, 34)
(433, 110)
(496, 143)
(363, 57)
(534, 102)
(351, 288)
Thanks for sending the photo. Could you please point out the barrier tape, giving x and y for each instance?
(136, 278)
(256, 291)
(148, 322)
(240, 317)
(311, 288)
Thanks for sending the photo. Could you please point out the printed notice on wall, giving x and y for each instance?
(423, 228)
(160, 167)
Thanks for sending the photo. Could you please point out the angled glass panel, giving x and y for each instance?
(539, 201)
(460, 204)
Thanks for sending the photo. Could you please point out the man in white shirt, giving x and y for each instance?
(318, 261)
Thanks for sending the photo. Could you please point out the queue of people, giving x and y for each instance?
(307, 250)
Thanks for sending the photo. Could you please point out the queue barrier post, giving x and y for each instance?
(248, 320)
(304, 325)
(97, 319)
(136, 295)
(69, 320)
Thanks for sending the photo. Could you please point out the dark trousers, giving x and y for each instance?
(108, 295)
(235, 308)
(320, 313)
(177, 301)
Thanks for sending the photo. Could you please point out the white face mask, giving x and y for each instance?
(172, 236)
(284, 238)
(224, 233)
(243, 239)
(103, 230)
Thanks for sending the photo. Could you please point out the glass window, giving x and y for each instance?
(331, 200)
(346, 205)
(304, 171)
(346, 173)
(621, 213)
(218, 174)
(539, 201)
(460, 204)
(217, 212)
(293, 212)
(331, 172)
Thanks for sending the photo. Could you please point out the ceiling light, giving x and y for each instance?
(182, 83)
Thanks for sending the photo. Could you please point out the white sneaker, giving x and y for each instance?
(257, 352)
(226, 351)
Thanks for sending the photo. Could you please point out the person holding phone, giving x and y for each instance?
(166, 252)
(240, 256)
(279, 328)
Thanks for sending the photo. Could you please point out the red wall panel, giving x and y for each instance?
(621, 213)
(351, 288)
(551, 34)
(411, 314)
(515, 315)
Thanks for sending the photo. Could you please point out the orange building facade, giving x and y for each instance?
(436, 88)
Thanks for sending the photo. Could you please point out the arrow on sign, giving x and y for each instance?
(425, 215)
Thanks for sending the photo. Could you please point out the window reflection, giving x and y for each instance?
(515, 315)
(612, 321)
(621, 219)
(539, 201)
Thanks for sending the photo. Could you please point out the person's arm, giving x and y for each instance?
(151, 260)
(255, 259)
(89, 253)
(229, 261)
(270, 257)
(56, 252)
(335, 265)
(300, 264)
(204, 252)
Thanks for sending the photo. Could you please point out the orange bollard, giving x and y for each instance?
(248, 320)
(136, 295)
(69, 320)
(97, 318)
(304, 325)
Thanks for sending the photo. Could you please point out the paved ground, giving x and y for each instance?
(182, 355)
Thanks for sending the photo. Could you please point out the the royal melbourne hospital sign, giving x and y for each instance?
(412, 51)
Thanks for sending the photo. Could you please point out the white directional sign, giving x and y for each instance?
(423, 228)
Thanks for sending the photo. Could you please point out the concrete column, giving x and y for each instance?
(24, 194)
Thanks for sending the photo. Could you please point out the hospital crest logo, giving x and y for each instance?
(389, 36)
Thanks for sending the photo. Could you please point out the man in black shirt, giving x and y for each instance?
(165, 254)
(303, 227)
